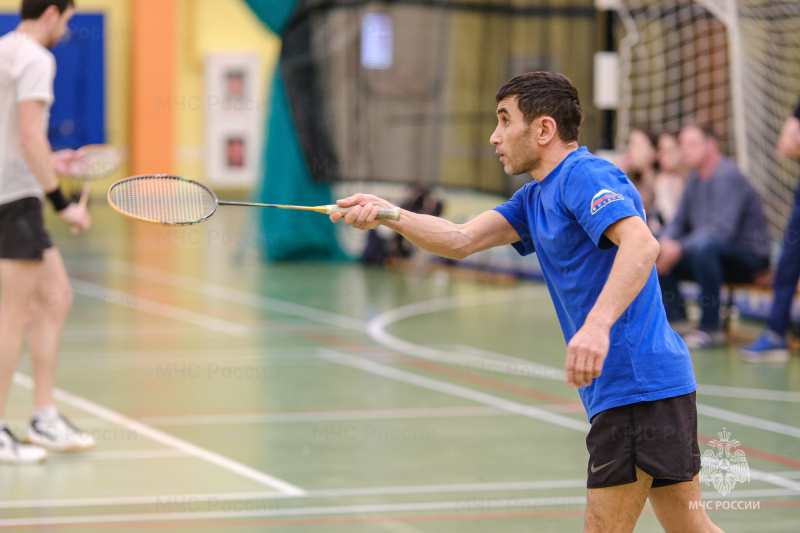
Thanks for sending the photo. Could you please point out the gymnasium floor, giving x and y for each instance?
(227, 394)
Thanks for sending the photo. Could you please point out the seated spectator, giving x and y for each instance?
(719, 233)
(669, 182)
(639, 163)
(771, 346)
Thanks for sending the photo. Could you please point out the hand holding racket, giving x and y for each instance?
(362, 211)
(176, 201)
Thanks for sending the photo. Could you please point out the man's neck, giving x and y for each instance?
(34, 30)
(551, 159)
(707, 169)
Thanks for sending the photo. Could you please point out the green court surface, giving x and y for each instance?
(228, 394)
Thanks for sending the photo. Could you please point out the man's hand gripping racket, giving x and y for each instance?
(364, 211)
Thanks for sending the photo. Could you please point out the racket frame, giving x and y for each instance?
(161, 223)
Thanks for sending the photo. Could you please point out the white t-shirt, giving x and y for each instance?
(27, 71)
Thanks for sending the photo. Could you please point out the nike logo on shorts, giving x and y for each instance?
(597, 468)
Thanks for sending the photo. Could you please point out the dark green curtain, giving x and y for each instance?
(289, 235)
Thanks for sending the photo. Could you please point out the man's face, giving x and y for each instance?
(59, 26)
(513, 139)
(695, 147)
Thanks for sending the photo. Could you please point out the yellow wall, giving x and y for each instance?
(212, 26)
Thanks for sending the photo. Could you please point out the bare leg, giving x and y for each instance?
(672, 507)
(616, 509)
(18, 283)
(54, 300)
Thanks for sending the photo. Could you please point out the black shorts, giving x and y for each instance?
(659, 437)
(22, 233)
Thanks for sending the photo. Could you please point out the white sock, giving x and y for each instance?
(45, 413)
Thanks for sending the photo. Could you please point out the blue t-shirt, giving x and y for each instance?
(562, 218)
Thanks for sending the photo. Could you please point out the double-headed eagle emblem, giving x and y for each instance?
(726, 466)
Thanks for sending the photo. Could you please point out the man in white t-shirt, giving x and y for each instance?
(35, 295)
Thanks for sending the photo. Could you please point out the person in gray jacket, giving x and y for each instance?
(719, 234)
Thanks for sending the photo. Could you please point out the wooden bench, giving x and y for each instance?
(761, 284)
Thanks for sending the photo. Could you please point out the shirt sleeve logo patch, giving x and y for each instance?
(603, 198)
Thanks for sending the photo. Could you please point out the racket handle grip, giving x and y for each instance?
(384, 213)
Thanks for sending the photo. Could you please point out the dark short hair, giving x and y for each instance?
(547, 94)
(33, 9)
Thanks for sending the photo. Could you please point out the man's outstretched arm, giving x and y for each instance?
(434, 234)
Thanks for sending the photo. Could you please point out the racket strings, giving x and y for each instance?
(95, 163)
(99, 164)
(163, 199)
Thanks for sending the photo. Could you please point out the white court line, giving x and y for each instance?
(466, 506)
(485, 359)
(163, 438)
(750, 421)
(118, 455)
(131, 301)
(509, 486)
(452, 389)
(751, 394)
(463, 505)
(495, 401)
(465, 356)
(498, 362)
(103, 331)
(788, 474)
(158, 355)
(376, 327)
(221, 359)
(774, 479)
(507, 364)
(230, 294)
(474, 358)
(198, 500)
(323, 416)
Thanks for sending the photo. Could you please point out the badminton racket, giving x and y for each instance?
(93, 161)
(176, 201)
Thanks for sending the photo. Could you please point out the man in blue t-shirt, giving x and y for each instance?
(585, 221)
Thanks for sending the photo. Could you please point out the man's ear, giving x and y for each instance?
(51, 13)
(547, 130)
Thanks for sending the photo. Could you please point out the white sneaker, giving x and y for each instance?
(703, 339)
(58, 435)
(15, 452)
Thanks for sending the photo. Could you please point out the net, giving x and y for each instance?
(733, 64)
(169, 200)
(404, 91)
